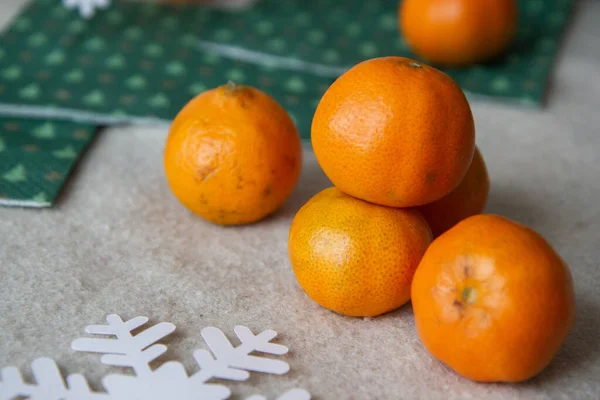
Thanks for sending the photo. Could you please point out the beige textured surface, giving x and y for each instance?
(119, 242)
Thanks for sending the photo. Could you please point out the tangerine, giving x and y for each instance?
(233, 155)
(458, 32)
(354, 257)
(468, 199)
(493, 300)
(395, 132)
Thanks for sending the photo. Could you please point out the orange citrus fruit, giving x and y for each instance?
(468, 199)
(233, 155)
(354, 257)
(395, 132)
(458, 32)
(493, 300)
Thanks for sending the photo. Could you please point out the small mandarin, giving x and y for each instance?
(493, 300)
(468, 199)
(458, 32)
(233, 155)
(354, 257)
(395, 132)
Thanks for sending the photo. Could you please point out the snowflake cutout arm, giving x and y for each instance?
(127, 350)
(49, 385)
(233, 362)
(87, 8)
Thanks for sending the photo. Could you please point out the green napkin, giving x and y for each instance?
(131, 63)
(36, 157)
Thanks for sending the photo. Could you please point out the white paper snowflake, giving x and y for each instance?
(170, 380)
(87, 8)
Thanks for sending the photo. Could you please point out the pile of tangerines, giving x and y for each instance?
(491, 298)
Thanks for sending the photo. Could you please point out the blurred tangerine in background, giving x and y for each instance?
(458, 32)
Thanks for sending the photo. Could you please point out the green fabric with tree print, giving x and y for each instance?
(36, 157)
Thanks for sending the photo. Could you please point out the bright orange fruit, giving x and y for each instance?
(354, 257)
(493, 300)
(468, 199)
(395, 132)
(233, 155)
(458, 32)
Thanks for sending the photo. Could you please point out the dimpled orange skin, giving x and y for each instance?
(493, 300)
(354, 257)
(395, 132)
(468, 199)
(458, 32)
(233, 155)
